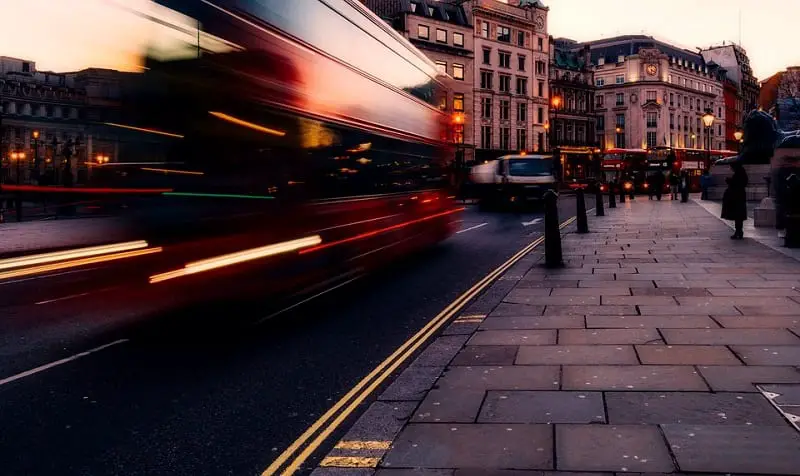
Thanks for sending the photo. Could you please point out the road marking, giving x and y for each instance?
(532, 222)
(61, 298)
(350, 462)
(363, 445)
(471, 228)
(44, 367)
(48, 276)
(310, 298)
(338, 413)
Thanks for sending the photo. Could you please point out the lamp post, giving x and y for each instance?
(708, 121)
(18, 157)
(556, 103)
(36, 154)
(547, 135)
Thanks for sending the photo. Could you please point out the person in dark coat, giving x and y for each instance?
(673, 184)
(734, 201)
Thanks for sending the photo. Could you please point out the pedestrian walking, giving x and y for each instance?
(673, 185)
(684, 186)
(659, 184)
(734, 201)
(705, 183)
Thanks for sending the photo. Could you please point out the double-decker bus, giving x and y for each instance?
(677, 160)
(625, 166)
(279, 145)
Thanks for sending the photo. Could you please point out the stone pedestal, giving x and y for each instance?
(764, 213)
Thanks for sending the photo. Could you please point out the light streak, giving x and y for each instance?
(49, 189)
(78, 262)
(216, 195)
(172, 171)
(238, 257)
(249, 125)
(71, 254)
(144, 129)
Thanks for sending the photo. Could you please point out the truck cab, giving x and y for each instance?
(514, 178)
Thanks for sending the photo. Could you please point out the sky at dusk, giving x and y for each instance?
(67, 35)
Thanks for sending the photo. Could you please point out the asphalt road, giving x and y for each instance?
(172, 397)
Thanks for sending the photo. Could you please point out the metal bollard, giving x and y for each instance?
(612, 199)
(632, 193)
(621, 192)
(792, 238)
(598, 203)
(583, 224)
(552, 231)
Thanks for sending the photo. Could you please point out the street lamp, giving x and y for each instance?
(547, 134)
(556, 103)
(36, 154)
(738, 135)
(708, 121)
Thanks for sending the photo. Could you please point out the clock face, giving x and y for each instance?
(540, 22)
(652, 69)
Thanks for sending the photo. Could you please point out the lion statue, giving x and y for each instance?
(761, 138)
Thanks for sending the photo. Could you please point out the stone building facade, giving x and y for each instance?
(650, 93)
(573, 122)
(444, 33)
(511, 70)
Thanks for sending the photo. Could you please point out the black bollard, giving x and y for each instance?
(598, 203)
(612, 199)
(621, 192)
(583, 225)
(632, 193)
(552, 231)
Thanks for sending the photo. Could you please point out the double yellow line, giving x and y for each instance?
(317, 433)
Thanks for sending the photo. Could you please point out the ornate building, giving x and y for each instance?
(572, 117)
(511, 91)
(650, 93)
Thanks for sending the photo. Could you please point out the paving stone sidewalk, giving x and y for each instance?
(662, 347)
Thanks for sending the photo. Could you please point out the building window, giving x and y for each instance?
(651, 96)
(522, 139)
(684, 82)
(600, 100)
(691, 103)
(669, 78)
(619, 79)
(505, 138)
(458, 71)
(698, 125)
(601, 123)
(686, 101)
(651, 139)
(540, 88)
(521, 38)
(486, 79)
(505, 105)
(540, 115)
(504, 34)
(600, 82)
(485, 29)
(540, 68)
(423, 32)
(522, 86)
(522, 112)
(458, 102)
(620, 99)
(671, 99)
(443, 102)
(621, 121)
(505, 83)
(652, 119)
(540, 143)
(601, 61)
(580, 134)
(672, 121)
(521, 62)
(458, 133)
(486, 137)
(487, 56)
(26, 67)
(486, 108)
(620, 58)
(442, 66)
(441, 35)
(504, 59)
(719, 129)
(620, 140)
(458, 39)
(719, 113)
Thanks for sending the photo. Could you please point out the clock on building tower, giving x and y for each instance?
(652, 69)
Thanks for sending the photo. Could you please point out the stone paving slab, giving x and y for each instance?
(729, 337)
(577, 355)
(687, 310)
(655, 408)
(472, 446)
(524, 310)
(673, 291)
(449, 406)
(441, 351)
(609, 336)
(686, 355)
(501, 378)
(523, 337)
(743, 378)
(742, 449)
(611, 448)
(616, 284)
(638, 300)
(486, 355)
(555, 310)
(543, 407)
(781, 355)
(621, 291)
(650, 322)
(758, 322)
(412, 384)
(544, 322)
(632, 377)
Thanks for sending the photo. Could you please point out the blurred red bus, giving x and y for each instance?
(624, 166)
(694, 162)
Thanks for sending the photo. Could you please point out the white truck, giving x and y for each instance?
(514, 178)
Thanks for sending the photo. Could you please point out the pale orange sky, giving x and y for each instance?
(65, 35)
